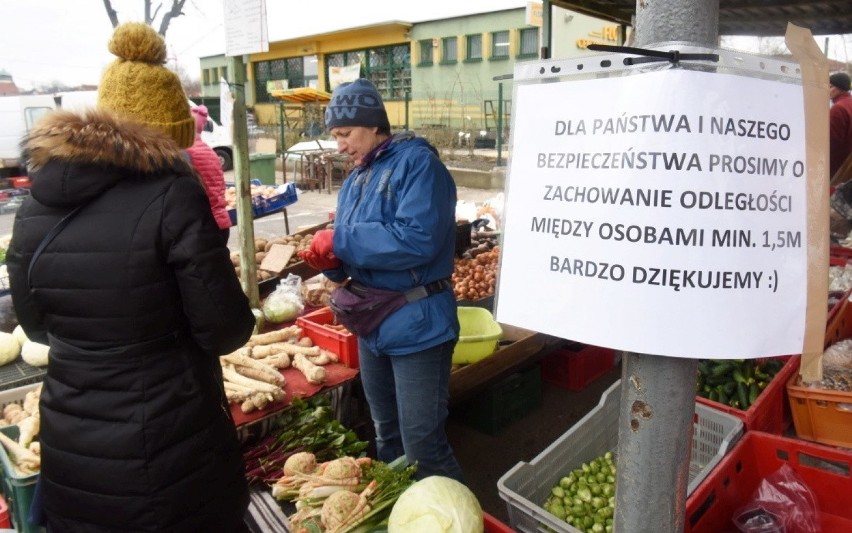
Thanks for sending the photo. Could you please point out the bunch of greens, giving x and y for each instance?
(308, 425)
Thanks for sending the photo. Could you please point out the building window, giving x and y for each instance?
(474, 48)
(449, 50)
(388, 67)
(425, 46)
(529, 43)
(500, 45)
(223, 73)
(291, 69)
(206, 76)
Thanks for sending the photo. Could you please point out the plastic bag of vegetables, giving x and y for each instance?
(285, 302)
(436, 504)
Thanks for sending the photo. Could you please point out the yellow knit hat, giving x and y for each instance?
(138, 86)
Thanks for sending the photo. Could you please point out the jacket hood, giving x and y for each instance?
(408, 140)
(75, 157)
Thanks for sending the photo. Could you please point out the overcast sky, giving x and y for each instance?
(66, 40)
(43, 41)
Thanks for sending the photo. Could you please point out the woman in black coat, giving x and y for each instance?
(137, 298)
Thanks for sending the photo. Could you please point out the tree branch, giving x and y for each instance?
(174, 12)
(111, 13)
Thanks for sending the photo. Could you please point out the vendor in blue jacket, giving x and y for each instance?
(395, 230)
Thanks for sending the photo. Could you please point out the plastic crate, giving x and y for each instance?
(576, 366)
(499, 405)
(20, 182)
(478, 336)
(261, 207)
(826, 471)
(824, 415)
(343, 343)
(526, 486)
(18, 489)
(771, 411)
(19, 373)
(492, 525)
(5, 516)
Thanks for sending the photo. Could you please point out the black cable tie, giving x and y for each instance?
(649, 56)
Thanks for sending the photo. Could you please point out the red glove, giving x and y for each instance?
(323, 242)
(327, 262)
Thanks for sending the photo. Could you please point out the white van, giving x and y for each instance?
(18, 114)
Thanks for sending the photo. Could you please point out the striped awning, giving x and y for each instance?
(301, 95)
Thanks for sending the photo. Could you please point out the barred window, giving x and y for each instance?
(388, 67)
(290, 69)
(425, 46)
(529, 42)
(450, 52)
(500, 44)
(474, 47)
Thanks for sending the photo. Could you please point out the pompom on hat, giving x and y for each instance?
(840, 80)
(138, 86)
(356, 103)
(200, 113)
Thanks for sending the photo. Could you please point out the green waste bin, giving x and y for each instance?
(262, 168)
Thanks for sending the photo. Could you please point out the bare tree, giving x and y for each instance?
(174, 11)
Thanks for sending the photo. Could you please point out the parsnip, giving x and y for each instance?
(235, 377)
(325, 357)
(28, 428)
(263, 372)
(279, 360)
(313, 373)
(278, 335)
(22, 458)
(293, 349)
(266, 350)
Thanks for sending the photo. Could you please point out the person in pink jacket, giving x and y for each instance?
(206, 163)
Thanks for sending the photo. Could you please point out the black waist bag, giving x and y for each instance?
(361, 309)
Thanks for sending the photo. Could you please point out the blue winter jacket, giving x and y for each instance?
(395, 229)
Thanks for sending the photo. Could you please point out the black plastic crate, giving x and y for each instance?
(505, 402)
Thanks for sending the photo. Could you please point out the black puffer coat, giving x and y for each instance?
(136, 297)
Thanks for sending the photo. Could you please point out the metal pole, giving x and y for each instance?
(500, 124)
(658, 393)
(407, 100)
(245, 217)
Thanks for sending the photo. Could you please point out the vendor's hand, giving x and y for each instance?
(326, 262)
(323, 242)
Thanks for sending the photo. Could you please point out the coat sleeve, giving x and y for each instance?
(28, 231)
(219, 314)
(415, 236)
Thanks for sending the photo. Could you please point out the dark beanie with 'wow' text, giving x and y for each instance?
(356, 103)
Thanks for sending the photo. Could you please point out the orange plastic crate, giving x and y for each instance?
(343, 343)
(825, 415)
(825, 470)
(771, 411)
(20, 182)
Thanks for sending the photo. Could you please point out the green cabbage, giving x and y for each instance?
(278, 309)
(436, 504)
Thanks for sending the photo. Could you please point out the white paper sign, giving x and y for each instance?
(245, 27)
(661, 213)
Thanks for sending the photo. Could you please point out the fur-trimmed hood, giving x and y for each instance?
(74, 157)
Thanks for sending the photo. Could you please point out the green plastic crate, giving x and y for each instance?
(508, 400)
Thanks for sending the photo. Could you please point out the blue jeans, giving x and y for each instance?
(407, 395)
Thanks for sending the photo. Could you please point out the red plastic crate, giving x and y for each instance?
(5, 517)
(344, 344)
(20, 182)
(826, 471)
(576, 366)
(492, 525)
(771, 411)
